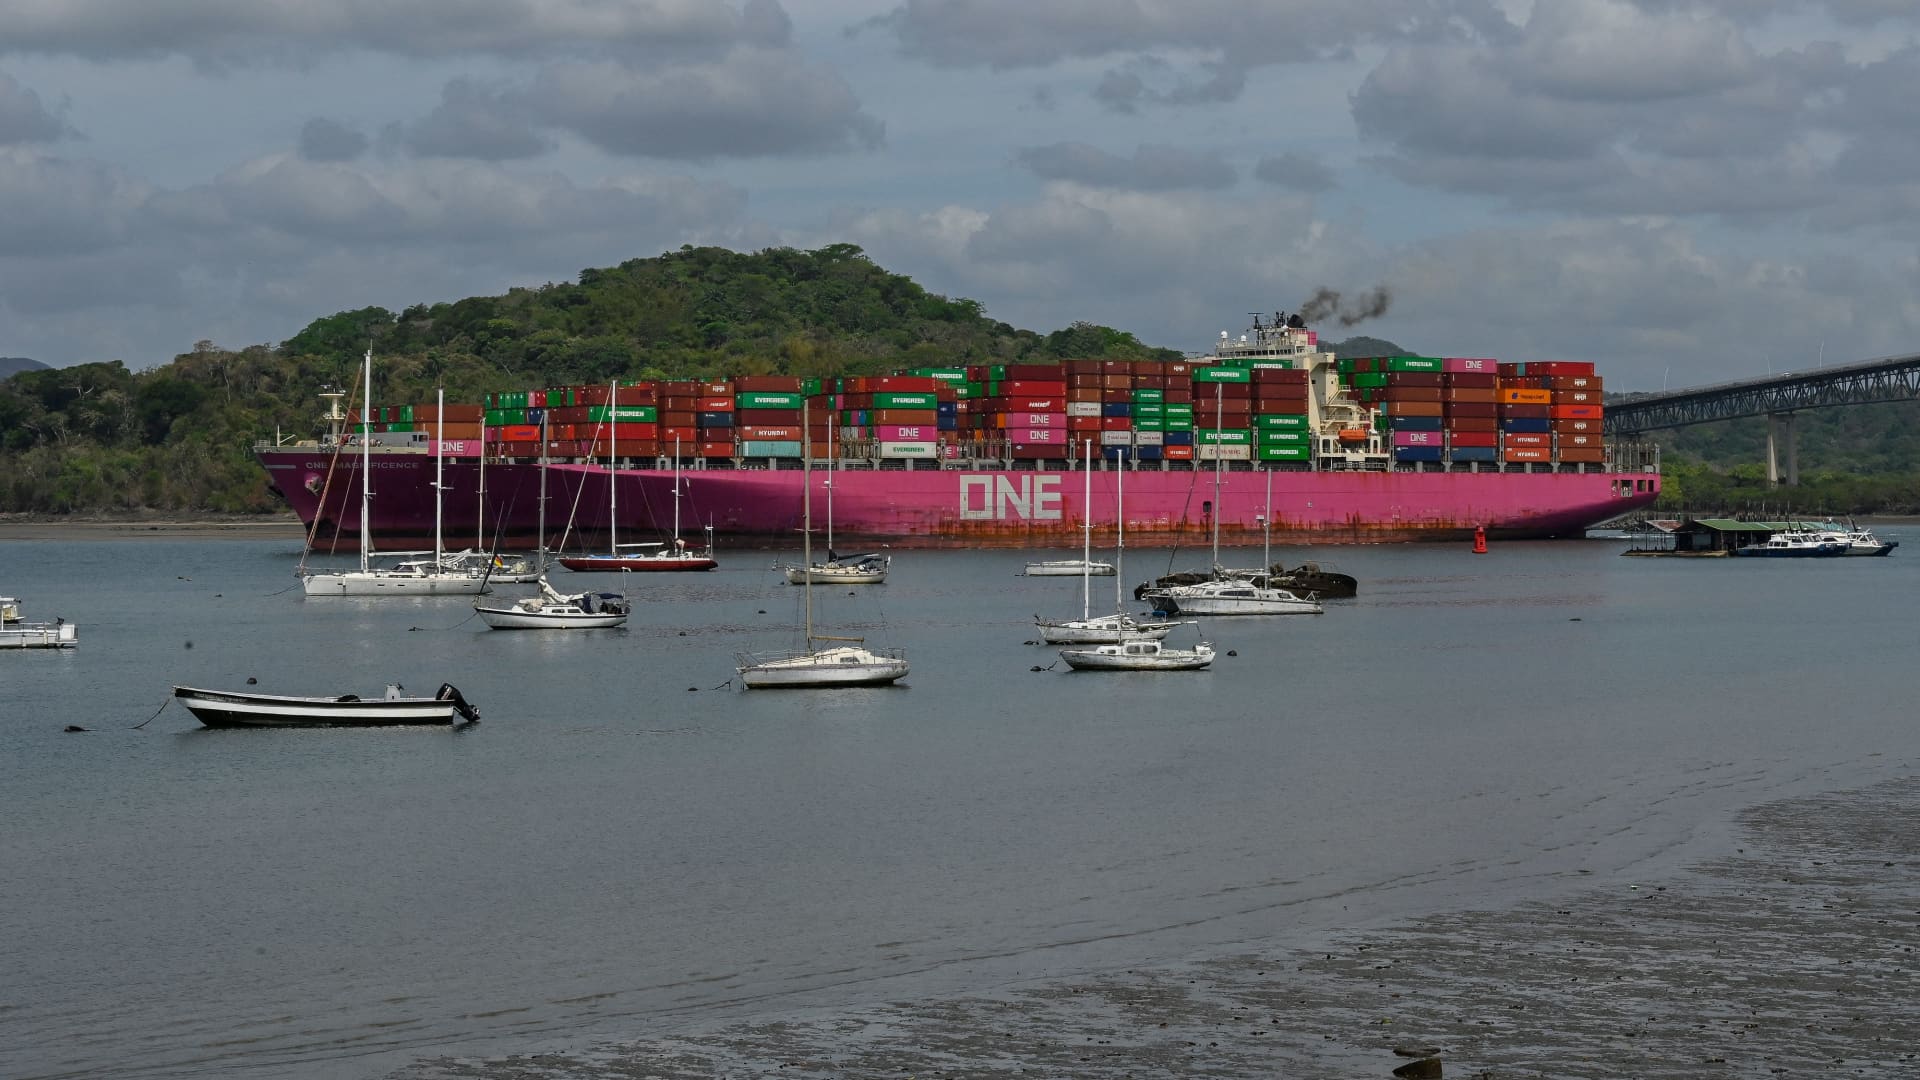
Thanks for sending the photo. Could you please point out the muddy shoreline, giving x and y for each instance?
(241, 527)
(1793, 954)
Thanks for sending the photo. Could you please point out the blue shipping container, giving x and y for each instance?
(1475, 453)
(1178, 438)
(714, 420)
(1117, 408)
(1416, 453)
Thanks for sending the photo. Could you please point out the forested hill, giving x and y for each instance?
(11, 364)
(98, 438)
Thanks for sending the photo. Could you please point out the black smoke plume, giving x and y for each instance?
(1327, 304)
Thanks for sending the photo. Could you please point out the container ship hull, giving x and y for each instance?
(930, 506)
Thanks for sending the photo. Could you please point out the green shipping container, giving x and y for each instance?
(1221, 374)
(1148, 395)
(1283, 438)
(1280, 422)
(1283, 452)
(633, 414)
(1152, 424)
(898, 400)
(1177, 423)
(949, 374)
(811, 387)
(1179, 410)
(1370, 379)
(1414, 363)
(767, 399)
(1273, 365)
(1148, 410)
(1224, 436)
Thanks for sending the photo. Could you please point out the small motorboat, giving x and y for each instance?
(1138, 656)
(554, 610)
(226, 708)
(1230, 596)
(16, 633)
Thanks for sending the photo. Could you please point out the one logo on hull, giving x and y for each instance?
(992, 497)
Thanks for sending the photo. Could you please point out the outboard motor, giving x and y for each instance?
(449, 692)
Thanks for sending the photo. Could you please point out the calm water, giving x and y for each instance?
(626, 844)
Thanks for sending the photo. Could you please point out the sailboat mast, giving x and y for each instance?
(480, 508)
(613, 463)
(806, 518)
(366, 462)
(1119, 528)
(540, 542)
(1266, 532)
(439, 466)
(1086, 535)
(833, 470)
(1219, 413)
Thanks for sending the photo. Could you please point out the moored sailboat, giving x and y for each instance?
(849, 663)
(1104, 629)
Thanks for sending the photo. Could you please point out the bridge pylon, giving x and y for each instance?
(1780, 439)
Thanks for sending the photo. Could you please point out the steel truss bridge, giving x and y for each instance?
(1776, 397)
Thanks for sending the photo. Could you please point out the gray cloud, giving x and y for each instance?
(750, 103)
(473, 121)
(322, 139)
(23, 119)
(255, 31)
(1295, 172)
(1152, 168)
(56, 205)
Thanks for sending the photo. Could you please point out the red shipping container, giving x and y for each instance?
(677, 418)
(1525, 412)
(518, 433)
(1053, 404)
(686, 435)
(1414, 378)
(1116, 397)
(1565, 397)
(1073, 367)
(1279, 377)
(1079, 423)
(1178, 395)
(767, 384)
(1457, 437)
(1080, 382)
(1116, 423)
(1575, 382)
(679, 388)
(1397, 392)
(1471, 408)
(1043, 371)
(1417, 408)
(1177, 453)
(686, 403)
(1477, 395)
(722, 403)
(645, 393)
(1033, 388)
(1560, 367)
(1575, 412)
(1472, 423)
(716, 449)
(1578, 425)
(1473, 380)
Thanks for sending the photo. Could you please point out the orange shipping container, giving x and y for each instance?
(1408, 408)
(1583, 454)
(1525, 453)
(1476, 395)
(716, 449)
(1517, 439)
(1574, 382)
(1524, 397)
(1576, 397)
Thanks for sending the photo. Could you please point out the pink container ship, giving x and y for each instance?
(1362, 450)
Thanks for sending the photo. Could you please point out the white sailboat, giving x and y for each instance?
(1228, 594)
(554, 610)
(1120, 626)
(509, 568)
(415, 577)
(849, 663)
(868, 568)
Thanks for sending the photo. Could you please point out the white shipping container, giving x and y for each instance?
(1148, 438)
(1116, 438)
(1223, 451)
(909, 450)
(1083, 408)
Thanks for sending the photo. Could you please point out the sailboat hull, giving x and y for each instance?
(828, 668)
(588, 564)
(391, 583)
(1108, 630)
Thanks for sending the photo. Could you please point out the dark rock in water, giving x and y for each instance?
(251, 681)
(1424, 1069)
(1417, 1051)
(75, 727)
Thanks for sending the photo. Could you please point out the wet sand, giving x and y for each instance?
(265, 527)
(1792, 955)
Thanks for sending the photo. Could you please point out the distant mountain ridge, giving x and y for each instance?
(11, 365)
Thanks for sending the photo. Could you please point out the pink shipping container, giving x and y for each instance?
(460, 448)
(1464, 363)
(906, 432)
(1039, 436)
(1418, 438)
(1034, 419)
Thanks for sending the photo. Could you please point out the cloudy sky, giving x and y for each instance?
(1685, 191)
